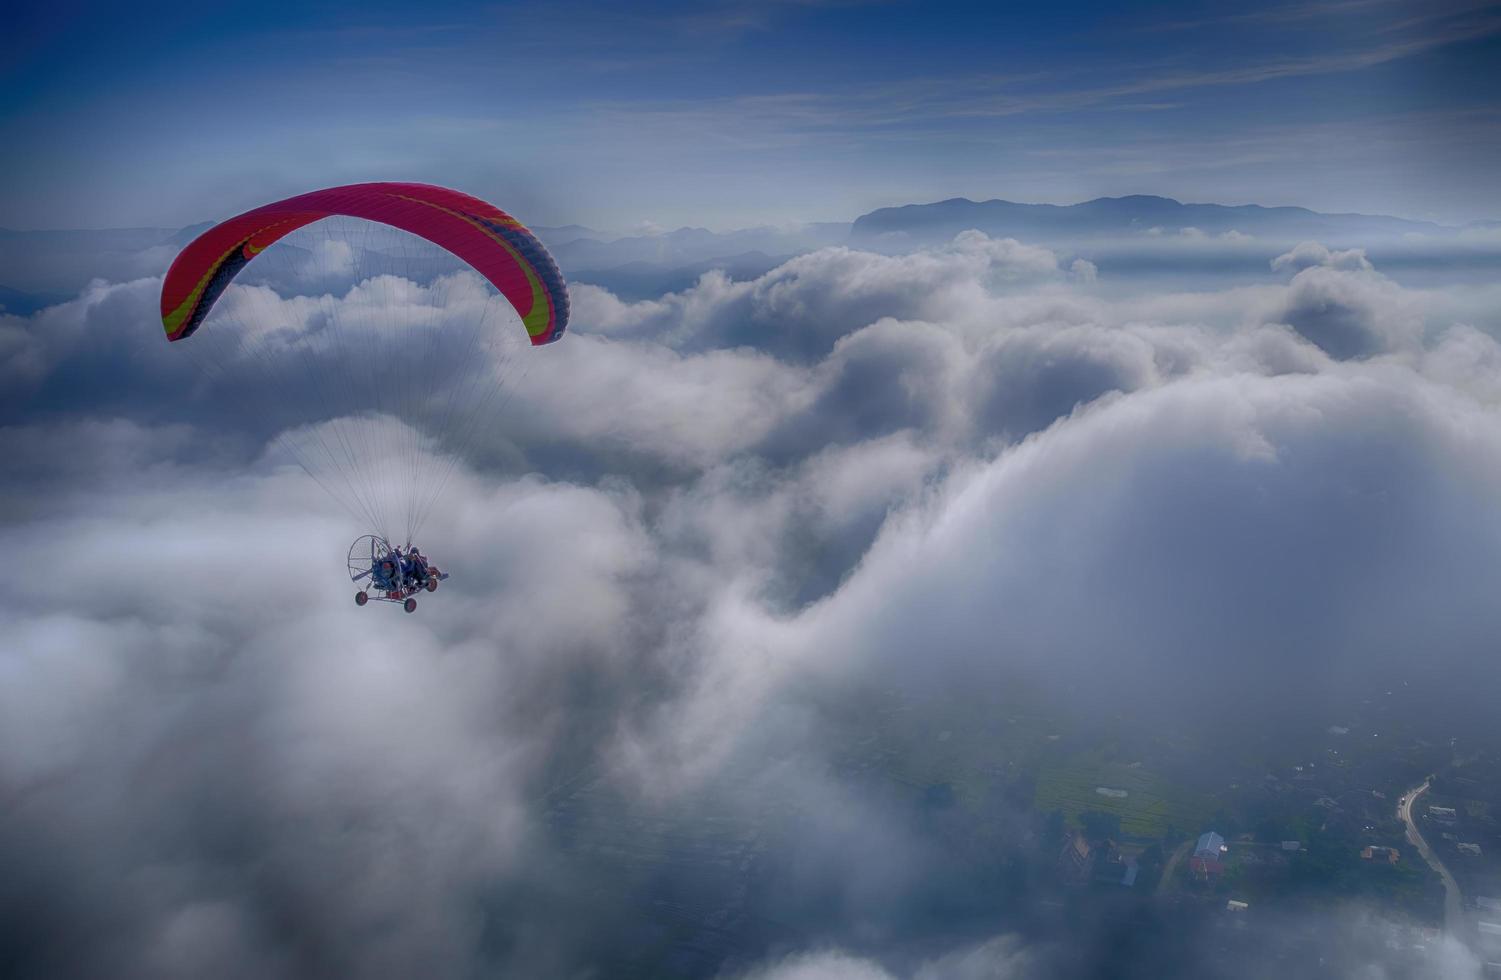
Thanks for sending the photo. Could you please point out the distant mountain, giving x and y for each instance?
(92, 239)
(44, 263)
(183, 236)
(17, 303)
(1114, 217)
(556, 237)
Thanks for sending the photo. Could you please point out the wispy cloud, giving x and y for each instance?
(739, 16)
(922, 102)
(1278, 14)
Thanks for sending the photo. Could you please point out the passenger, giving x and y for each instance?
(416, 568)
(384, 575)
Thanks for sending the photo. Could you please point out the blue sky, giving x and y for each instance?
(726, 114)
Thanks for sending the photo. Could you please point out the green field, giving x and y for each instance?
(1151, 802)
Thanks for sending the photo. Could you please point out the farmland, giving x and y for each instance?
(1150, 807)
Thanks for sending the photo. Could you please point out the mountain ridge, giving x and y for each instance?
(1107, 216)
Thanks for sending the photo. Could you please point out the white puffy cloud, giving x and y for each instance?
(185, 684)
(1306, 255)
(800, 309)
(1002, 958)
(1083, 270)
(1468, 360)
(1350, 315)
(831, 965)
(996, 566)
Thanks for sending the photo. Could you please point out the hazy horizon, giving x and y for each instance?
(648, 230)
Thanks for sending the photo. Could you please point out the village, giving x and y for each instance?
(1240, 836)
(1056, 823)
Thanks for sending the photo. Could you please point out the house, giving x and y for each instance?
(1210, 845)
(1373, 852)
(1234, 906)
(1108, 866)
(1292, 845)
(1443, 814)
(1471, 849)
(1075, 862)
(1208, 856)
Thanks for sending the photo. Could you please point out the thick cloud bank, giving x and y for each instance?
(710, 523)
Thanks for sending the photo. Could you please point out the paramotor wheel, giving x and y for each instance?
(432, 585)
(410, 605)
(364, 553)
(360, 598)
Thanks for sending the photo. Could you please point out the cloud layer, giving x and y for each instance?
(710, 518)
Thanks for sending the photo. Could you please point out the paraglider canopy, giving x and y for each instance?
(482, 235)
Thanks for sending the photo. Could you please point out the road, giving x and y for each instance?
(1172, 862)
(1453, 906)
